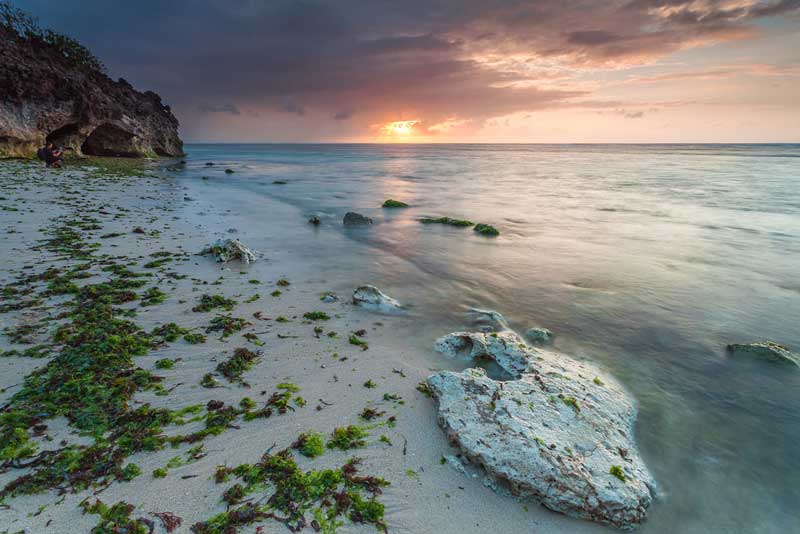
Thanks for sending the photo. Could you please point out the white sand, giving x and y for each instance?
(437, 498)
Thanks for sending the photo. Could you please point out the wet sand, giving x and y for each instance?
(424, 495)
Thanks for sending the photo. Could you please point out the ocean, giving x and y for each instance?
(645, 259)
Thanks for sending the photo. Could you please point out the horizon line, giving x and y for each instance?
(765, 143)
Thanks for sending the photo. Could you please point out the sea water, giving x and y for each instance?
(645, 259)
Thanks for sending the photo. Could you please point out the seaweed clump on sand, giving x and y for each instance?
(90, 382)
(320, 498)
(234, 367)
(116, 518)
(346, 438)
(446, 220)
(227, 325)
(211, 302)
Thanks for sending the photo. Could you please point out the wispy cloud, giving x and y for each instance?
(230, 109)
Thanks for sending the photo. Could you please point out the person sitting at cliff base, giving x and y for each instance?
(51, 155)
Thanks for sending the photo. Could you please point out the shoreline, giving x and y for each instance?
(423, 496)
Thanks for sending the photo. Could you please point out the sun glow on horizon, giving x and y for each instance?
(399, 128)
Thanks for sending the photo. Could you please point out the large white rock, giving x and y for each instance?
(505, 348)
(372, 298)
(562, 432)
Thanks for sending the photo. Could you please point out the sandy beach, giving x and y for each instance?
(335, 380)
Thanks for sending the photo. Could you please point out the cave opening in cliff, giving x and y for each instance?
(110, 140)
(67, 135)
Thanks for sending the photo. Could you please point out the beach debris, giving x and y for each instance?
(764, 350)
(372, 298)
(551, 433)
(538, 335)
(391, 203)
(355, 219)
(230, 249)
(486, 229)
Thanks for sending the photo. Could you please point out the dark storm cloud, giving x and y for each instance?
(289, 105)
(343, 115)
(422, 57)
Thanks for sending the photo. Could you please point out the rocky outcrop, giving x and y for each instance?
(49, 92)
(764, 350)
(560, 431)
(372, 298)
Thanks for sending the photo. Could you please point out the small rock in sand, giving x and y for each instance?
(765, 350)
(355, 219)
(230, 249)
(539, 336)
(329, 297)
(371, 297)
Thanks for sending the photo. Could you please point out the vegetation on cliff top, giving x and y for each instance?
(27, 28)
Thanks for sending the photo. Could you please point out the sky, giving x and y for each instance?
(529, 71)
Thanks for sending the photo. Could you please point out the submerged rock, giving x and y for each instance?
(392, 203)
(315, 220)
(558, 433)
(486, 229)
(355, 219)
(539, 335)
(230, 249)
(372, 298)
(765, 350)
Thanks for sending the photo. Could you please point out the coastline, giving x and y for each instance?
(424, 494)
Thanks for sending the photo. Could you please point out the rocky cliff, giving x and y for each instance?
(53, 89)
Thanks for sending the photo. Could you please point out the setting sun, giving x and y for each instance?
(399, 128)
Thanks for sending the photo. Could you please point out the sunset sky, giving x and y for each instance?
(455, 71)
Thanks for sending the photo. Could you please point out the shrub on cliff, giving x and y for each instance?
(26, 28)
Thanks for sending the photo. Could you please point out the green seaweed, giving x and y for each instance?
(310, 444)
(226, 324)
(316, 316)
(486, 229)
(446, 220)
(328, 495)
(212, 302)
(193, 338)
(234, 367)
(153, 296)
(346, 438)
(617, 472)
(115, 519)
